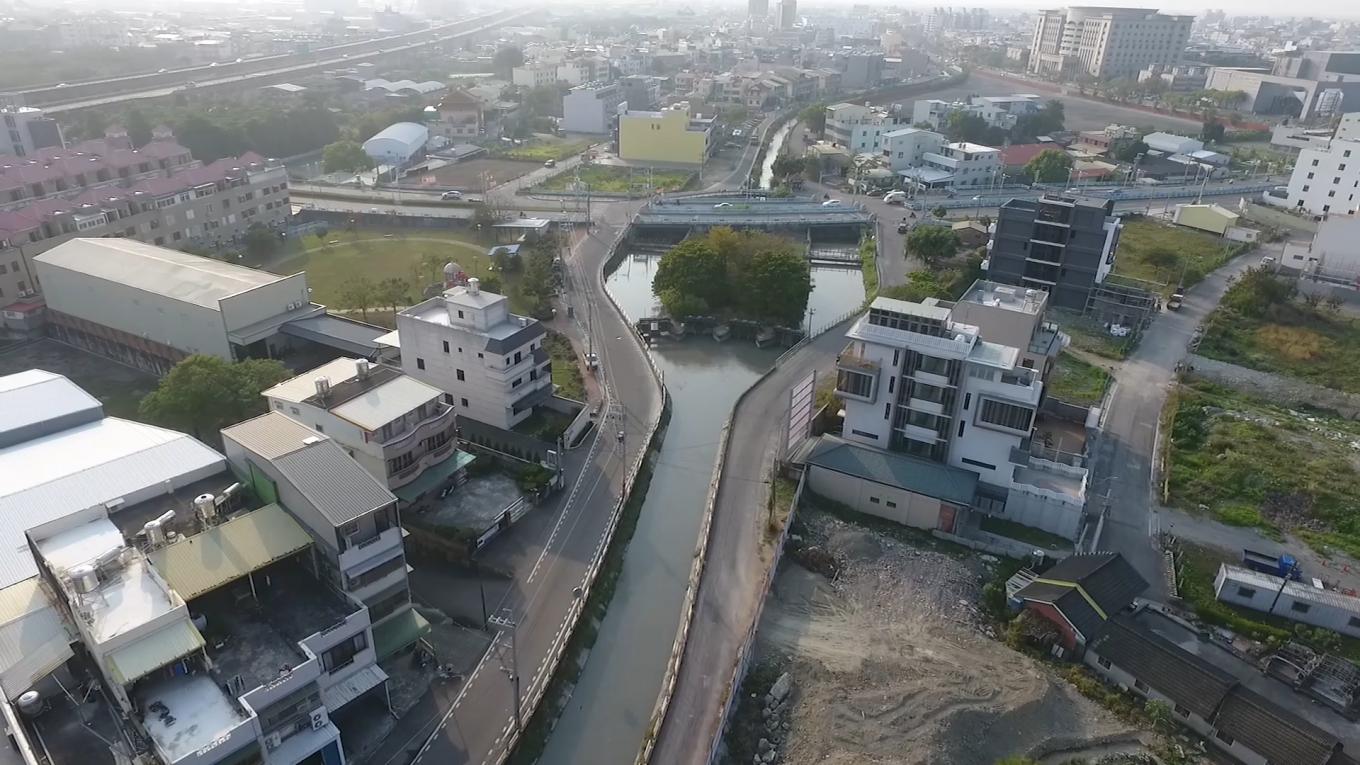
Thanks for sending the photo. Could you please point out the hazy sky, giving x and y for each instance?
(1347, 9)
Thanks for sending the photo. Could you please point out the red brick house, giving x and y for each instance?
(1080, 594)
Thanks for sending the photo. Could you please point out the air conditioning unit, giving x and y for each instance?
(273, 740)
(27, 293)
(318, 718)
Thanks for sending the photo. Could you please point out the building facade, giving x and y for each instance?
(1059, 244)
(26, 129)
(960, 165)
(667, 137)
(860, 128)
(907, 147)
(534, 75)
(1327, 180)
(467, 343)
(1106, 43)
(592, 108)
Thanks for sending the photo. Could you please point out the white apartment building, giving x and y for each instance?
(392, 424)
(534, 75)
(907, 147)
(1327, 180)
(1106, 43)
(960, 165)
(467, 343)
(350, 515)
(593, 108)
(1005, 111)
(916, 379)
(860, 128)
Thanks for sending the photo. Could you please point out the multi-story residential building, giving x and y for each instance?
(668, 137)
(394, 425)
(860, 128)
(593, 108)
(460, 116)
(534, 75)
(151, 307)
(468, 344)
(349, 514)
(157, 194)
(787, 14)
(145, 581)
(24, 130)
(1061, 244)
(907, 147)
(1106, 43)
(641, 91)
(998, 111)
(960, 165)
(1326, 177)
(921, 380)
(861, 70)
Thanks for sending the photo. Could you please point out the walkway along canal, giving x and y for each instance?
(607, 715)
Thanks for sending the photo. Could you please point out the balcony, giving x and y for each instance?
(853, 362)
(401, 442)
(929, 407)
(917, 433)
(376, 545)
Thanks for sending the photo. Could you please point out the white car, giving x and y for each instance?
(451, 195)
(831, 203)
(721, 205)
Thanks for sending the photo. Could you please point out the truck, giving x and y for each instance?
(1275, 565)
(1174, 302)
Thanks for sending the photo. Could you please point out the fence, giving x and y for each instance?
(1124, 194)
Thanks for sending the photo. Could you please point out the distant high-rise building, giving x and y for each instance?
(1106, 43)
(788, 13)
(757, 9)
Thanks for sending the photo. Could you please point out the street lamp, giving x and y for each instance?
(977, 206)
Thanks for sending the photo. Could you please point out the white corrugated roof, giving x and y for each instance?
(56, 475)
(303, 386)
(158, 270)
(34, 396)
(34, 638)
(375, 408)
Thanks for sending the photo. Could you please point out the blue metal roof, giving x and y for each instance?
(931, 479)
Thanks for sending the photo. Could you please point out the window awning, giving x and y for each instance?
(398, 632)
(353, 687)
(154, 651)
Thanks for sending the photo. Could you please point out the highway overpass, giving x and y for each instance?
(68, 97)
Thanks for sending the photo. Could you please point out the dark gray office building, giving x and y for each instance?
(1061, 244)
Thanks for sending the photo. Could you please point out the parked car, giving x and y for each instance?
(721, 205)
(550, 163)
(831, 203)
(903, 228)
(451, 195)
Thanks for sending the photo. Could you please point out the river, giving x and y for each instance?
(776, 146)
(612, 704)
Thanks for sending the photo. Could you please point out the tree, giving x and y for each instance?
(691, 278)
(787, 166)
(814, 117)
(940, 212)
(345, 157)
(932, 244)
(812, 168)
(359, 293)
(506, 59)
(1212, 131)
(483, 218)
(1128, 150)
(138, 128)
(504, 260)
(1049, 166)
(260, 242)
(538, 285)
(962, 126)
(392, 292)
(1159, 712)
(777, 288)
(1049, 119)
(204, 394)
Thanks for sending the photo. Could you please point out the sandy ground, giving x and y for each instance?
(890, 665)
(467, 176)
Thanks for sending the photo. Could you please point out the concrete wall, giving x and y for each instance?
(264, 302)
(665, 139)
(1042, 510)
(186, 326)
(892, 503)
(1318, 194)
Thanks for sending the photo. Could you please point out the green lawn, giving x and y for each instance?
(415, 256)
(616, 179)
(566, 368)
(1291, 339)
(544, 149)
(1091, 336)
(1077, 381)
(1254, 463)
(868, 267)
(1161, 252)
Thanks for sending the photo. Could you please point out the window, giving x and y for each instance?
(875, 501)
(320, 429)
(343, 655)
(460, 314)
(978, 463)
(891, 503)
(891, 380)
(855, 384)
(1336, 180)
(448, 398)
(862, 434)
(1246, 592)
(1310, 176)
(1140, 686)
(294, 410)
(459, 374)
(887, 410)
(1300, 608)
(446, 346)
(1005, 415)
(400, 463)
(1104, 662)
(1305, 188)
(1182, 711)
(1220, 735)
(465, 403)
(967, 399)
(420, 363)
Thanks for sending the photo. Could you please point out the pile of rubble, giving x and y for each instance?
(775, 716)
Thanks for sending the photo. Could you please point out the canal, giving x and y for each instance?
(776, 147)
(612, 704)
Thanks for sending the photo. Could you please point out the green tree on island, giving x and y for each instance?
(345, 157)
(204, 394)
(1050, 166)
(747, 274)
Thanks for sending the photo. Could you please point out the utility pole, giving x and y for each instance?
(503, 618)
(1284, 580)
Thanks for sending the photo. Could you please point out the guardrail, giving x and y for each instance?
(1126, 194)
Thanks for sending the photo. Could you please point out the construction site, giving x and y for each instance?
(889, 661)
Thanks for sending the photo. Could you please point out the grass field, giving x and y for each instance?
(617, 180)
(416, 256)
(1160, 252)
(1253, 463)
(1077, 381)
(1292, 339)
(1088, 335)
(544, 149)
(566, 368)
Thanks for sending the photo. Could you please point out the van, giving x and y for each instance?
(895, 198)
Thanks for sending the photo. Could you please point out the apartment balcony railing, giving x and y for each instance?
(856, 363)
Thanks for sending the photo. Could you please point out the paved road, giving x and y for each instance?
(1122, 462)
(548, 556)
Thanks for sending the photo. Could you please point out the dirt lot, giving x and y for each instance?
(889, 664)
(467, 176)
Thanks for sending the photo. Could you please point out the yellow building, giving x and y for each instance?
(1208, 217)
(669, 137)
